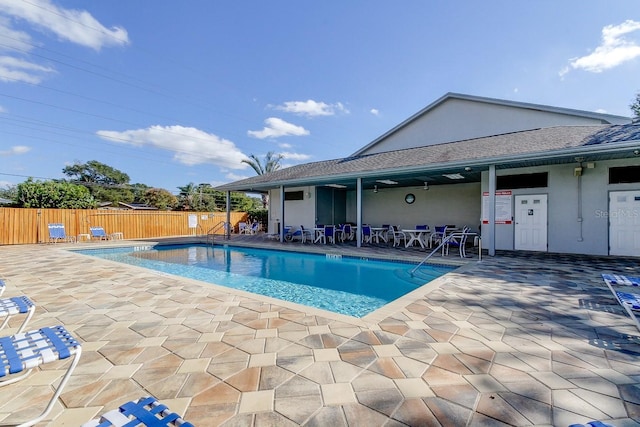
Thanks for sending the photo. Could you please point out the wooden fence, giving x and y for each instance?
(24, 226)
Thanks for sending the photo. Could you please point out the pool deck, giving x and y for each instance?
(511, 340)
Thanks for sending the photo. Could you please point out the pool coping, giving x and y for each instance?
(370, 320)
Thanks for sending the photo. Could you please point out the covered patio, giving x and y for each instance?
(512, 340)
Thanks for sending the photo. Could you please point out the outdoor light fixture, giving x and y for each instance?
(386, 181)
(453, 176)
(375, 188)
(335, 185)
(468, 168)
(426, 186)
(636, 152)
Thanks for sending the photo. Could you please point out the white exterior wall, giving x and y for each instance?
(457, 204)
(460, 119)
(297, 212)
(565, 233)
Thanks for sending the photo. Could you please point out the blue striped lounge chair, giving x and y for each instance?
(57, 233)
(16, 305)
(628, 300)
(146, 411)
(22, 352)
(99, 233)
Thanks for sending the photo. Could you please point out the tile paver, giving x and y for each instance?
(511, 340)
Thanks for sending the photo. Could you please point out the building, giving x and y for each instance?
(528, 177)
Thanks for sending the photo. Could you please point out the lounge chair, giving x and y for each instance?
(592, 424)
(16, 305)
(146, 411)
(99, 233)
(2, 287)
(58, 233)
(20, 353)
(629, 301)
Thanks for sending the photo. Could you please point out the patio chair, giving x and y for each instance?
(346, 233)
(58, 233)
(16, 305)
(306, 234)
(367, 236)
(592, 424)
(146, 411)
(22, 352)
(458, 242)
(329, 234)
(619, 279)
(398, 236)
(629, 301)
(2, 287)
(438, 235)
(242, 228)
(254, 228)
(99, 233)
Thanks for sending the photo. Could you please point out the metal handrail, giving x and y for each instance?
(446, 240)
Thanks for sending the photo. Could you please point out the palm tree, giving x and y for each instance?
(271, 164)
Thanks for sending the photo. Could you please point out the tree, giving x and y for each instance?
(635, 108)
(53, 194)
(160, 198)
(105, 183)
(271, 164)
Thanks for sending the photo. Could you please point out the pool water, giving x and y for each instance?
(346, 285)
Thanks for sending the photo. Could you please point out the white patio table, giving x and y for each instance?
(415, 235)
(379, 233)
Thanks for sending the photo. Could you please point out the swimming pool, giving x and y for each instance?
(346, 285)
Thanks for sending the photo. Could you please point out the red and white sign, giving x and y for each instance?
(504, 209)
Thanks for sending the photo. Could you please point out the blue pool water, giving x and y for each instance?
(350, 286)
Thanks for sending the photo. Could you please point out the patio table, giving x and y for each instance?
(379, 233)
(415, 235)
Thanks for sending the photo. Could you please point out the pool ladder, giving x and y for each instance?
(444, 242)
(211, 233)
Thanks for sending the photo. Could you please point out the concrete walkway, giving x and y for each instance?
(509, 341)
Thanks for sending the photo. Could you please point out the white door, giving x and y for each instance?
(624, 223)
(531, 223)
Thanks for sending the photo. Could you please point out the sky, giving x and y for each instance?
(175, 92)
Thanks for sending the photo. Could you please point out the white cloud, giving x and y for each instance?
(276, 127)
(375, 111)
(190, 146)
(614, 50)
(295, 156)
(15, 151)
(311, 108)
(15, 69)
(13, 39)
(73, 25)
(284, 145)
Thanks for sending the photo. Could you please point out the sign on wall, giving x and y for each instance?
(504, 210)
(193, 221)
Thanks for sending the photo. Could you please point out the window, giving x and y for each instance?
(294, 195)
(624, 175)
(526, 180)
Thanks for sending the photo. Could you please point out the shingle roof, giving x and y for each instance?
(538, 142)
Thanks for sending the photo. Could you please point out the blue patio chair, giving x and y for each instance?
(99, 233)
(438, 235)
(306, 234)
(58, 233)
(619, 279)
(346, 233)
(366, 234)
(629, 301)
(16, 305)
(422, 227)
(146, 411)
(592, 424)
(20, 353)
(329, 234)
(458, 242)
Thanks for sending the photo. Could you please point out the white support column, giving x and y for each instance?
(359, 212)
(227, 232)
(282, 220)
(491, 227)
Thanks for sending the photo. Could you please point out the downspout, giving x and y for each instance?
(491, 246)
(578, 173)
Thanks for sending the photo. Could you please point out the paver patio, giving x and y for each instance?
(512, 340)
